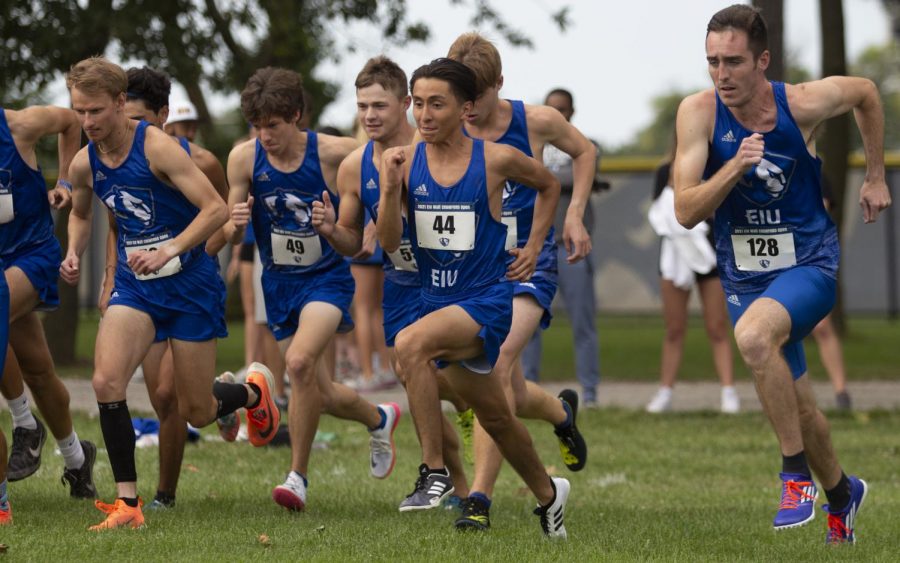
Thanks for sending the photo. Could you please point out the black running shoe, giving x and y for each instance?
(475, 515)
(25, 454)
(572, 446)
(81, 480)
(431, 489)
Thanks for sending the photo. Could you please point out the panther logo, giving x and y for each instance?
(133, 205)
(769, 181)
(289, 210)
(509, 189)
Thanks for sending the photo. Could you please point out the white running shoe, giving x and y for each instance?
(731, 403)
(292, 493)
(383, 451)
(552, 517)
(661, 401)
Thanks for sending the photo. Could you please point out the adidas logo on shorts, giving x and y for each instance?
(734, 300)
(421, 190)
(728, 137)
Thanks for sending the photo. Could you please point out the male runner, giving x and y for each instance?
(31, 255)
(382, 100)
(307, 285)
(166, 286)
(746, 150)
(147, 99)
(527, 128)
(452, 187)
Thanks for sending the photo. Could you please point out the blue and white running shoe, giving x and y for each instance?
(840, 524)
(798, 501)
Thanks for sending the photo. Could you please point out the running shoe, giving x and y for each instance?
(431, 489)
(119, 515)
(6, 514)
(552, 516)
(798, 501)
(465, 420)
(841, 524)
(572, 446)
(383, 452)
(730, 403)
(81, 480)
(475, 515)
(453, 502)
(661, 401)
(158, 505)
(264, 418)
(292, 493)
(230, 424)
(25, 454)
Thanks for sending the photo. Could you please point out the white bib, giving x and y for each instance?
(763, 250)
(512, 229)
(403, 258)
(290, 248)
(155, 242)
(445, 226)
(7, 213)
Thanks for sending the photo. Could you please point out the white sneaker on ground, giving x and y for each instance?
(292, 493)
(661, 401)
(731, 403)
(552, 516)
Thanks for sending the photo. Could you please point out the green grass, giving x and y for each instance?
(692, 487)
(629, 350)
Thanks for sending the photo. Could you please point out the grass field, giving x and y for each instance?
(694, 487)
(629, 350)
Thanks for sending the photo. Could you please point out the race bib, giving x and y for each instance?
(290, 248)
(512, 229)
(7, 213)
(445, 226)
(403, 258)
(155, 242)
(762, 250)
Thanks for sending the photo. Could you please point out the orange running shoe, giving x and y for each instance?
(263, 419)
(119, 515)
(6, 514)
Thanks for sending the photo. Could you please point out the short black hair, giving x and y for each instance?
(150, 86)
(743, 18)
(461, 78)
(561, 92)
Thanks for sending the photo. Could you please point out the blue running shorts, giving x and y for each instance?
(808, 295)
(401, 305)
(491, 307)
(286, 296)
(40, 264)
(189, 305)
(542, 287)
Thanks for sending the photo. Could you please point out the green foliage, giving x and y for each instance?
(656, 137)
(687, 487)
(881, 64)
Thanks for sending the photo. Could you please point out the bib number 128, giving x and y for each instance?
(763, 246)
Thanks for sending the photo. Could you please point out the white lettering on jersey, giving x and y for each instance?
(763, 216)
(444, 278)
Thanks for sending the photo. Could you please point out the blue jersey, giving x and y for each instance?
(400, 265)
(148, 212)
(458, 244)
(773, 218)
(282, 215)
(185, 144)
(25, 219)
(518, 199)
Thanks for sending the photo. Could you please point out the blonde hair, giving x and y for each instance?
(96, 75)
(480, 55)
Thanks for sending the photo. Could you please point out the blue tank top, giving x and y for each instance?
(25, 219)
(282, 215)
(400, 265)
(518, 199)
(459, 246)
(185, 144)
(773, 218)
(148, 211)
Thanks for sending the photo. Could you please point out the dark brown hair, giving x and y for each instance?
(272, 92)
(384, 72)
(743, 18)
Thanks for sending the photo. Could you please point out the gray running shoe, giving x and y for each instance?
(81, 480)
(25, 454)
(431, 489)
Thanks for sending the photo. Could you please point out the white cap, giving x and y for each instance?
(182, 110)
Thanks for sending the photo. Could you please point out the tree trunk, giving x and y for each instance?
(773, 12)
(61, 326)
(834, 143)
